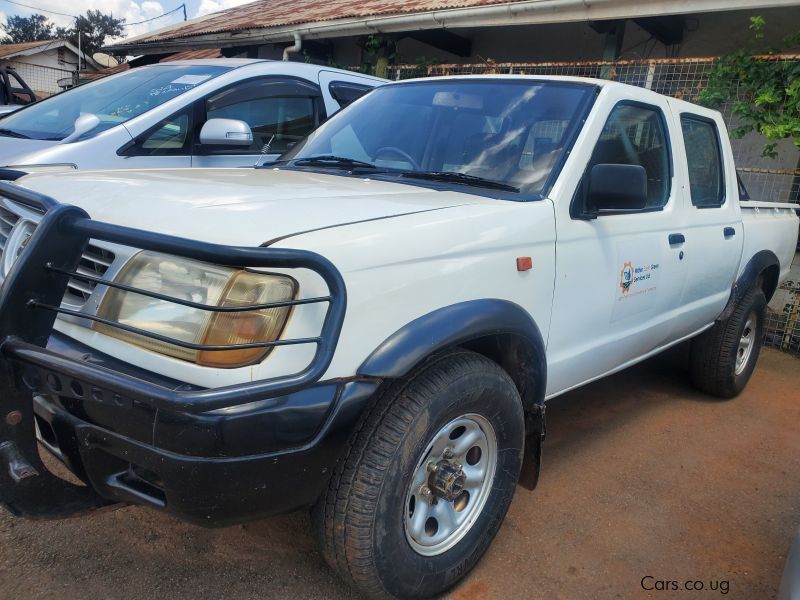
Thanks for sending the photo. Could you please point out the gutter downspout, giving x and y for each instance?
(298, 45)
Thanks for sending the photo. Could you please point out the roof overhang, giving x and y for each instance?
(53, 45)
(526, 12)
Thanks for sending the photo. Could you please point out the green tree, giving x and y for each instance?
(27, 29)
(762, 90)
(94, 28)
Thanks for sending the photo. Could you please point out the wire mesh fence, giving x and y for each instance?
(682, 78)
(45, 81)
(782, 327)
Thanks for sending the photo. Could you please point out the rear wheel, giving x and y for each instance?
(427, 480)
(724, 357)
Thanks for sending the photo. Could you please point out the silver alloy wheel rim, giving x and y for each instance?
(435, 521)
(746, 343)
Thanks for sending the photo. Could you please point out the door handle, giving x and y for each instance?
(729, 232)
(676, 239)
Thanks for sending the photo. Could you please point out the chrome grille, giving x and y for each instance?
(94, 261)
(7, 221)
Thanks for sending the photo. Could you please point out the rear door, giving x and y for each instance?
(712, 219)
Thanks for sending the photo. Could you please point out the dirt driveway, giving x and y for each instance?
(643, 478)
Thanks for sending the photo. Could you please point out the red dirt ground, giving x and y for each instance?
(642, 476)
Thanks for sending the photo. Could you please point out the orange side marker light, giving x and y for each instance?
(524, 263)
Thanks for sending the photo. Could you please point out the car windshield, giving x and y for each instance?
(113, 100)
(503, 134)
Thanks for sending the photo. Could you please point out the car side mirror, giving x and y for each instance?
(616, 187)
(83, 124)
(226, 132)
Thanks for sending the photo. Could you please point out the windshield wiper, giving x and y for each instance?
(456, 177)
(328, 160)
(14, 134)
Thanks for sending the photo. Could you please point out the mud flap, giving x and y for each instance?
(27, 488)
(534, 439)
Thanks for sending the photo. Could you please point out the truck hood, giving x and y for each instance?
(236, 206)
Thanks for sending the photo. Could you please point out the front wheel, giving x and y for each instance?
(427, 480)
(723, 358)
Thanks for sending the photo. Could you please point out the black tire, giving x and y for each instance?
(713, 357)
(360, 522)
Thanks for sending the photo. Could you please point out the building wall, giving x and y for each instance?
(707, 34)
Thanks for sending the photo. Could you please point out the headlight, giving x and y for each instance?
(202, 283)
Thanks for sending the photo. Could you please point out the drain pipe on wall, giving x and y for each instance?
(298, 45)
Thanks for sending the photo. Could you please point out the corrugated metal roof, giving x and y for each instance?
(277, 13)
(193, 55)
(7, 50)
(190, 55)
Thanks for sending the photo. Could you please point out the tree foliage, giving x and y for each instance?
(94, 28)
(762, 91)
(35, 28)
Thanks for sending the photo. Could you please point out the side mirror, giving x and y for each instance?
(83, 124)
(226, 132)
(616, 187)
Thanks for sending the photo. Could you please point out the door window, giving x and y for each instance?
(703, 156)
(636, 135)
(280, 112)
(172, 136)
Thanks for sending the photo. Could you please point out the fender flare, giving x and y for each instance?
(466, 324)
(455, 325)
(761, 260)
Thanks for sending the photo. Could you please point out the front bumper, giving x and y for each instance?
(212, 456)
(214, 468)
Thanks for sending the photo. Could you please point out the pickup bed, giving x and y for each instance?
(371, 325)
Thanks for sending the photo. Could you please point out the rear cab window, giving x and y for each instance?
(704, 161)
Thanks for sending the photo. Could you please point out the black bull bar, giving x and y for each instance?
(30, 301)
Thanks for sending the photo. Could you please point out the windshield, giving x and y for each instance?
(506, 134)
(113, 100)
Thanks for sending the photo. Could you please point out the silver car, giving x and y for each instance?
(194, 113)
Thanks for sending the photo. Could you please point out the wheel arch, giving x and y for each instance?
(498, 329)
(762, 270)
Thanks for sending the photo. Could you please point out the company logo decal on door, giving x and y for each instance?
(633, 278)
(626, 277)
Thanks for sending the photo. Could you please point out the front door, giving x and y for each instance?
(620, 275)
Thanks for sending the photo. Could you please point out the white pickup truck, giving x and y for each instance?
(372, 325)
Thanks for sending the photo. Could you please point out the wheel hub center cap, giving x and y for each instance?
(446, 480)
